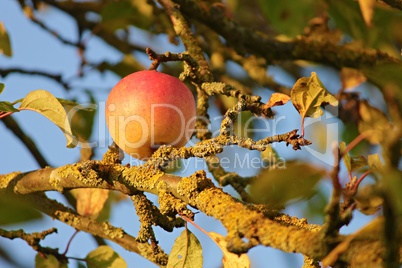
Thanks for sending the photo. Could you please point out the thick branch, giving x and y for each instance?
(242, 222)
(245, 40)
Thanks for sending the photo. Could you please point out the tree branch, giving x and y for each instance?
(13, 126)
(104, 229)
(182, 29)
(242, 222)
(245, 41)
(56, 77)
(33, 240)
(394, 3)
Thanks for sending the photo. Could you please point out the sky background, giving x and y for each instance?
(35, 49)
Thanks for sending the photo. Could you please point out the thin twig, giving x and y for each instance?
(13, 126)
(56, 77)
(183, 30)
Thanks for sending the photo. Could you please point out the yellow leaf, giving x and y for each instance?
(186, 251)
(104, 256)
(5, 46)
(90, 201)
(351, 78)
(229, 260)
(374, 162)
(367, 9)
(308, 95)
(373, 122)
(277, 99)
(48, 261)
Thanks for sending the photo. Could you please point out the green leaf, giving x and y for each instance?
(289, 17)
(309, 95)
(346, 15)
(393, 189)
(278, 186)
(2, 86)
(127, 65)
(387, 77)
(5, 46)
(374, 122)
(81, 118)
(104, 257)
(121, 14)
(49, 262)
(15, 210)
(6, 106)
(46, 104)
(68, 104)
(346, 158)
(374, 162)
(352, 163)
(358, 162)
(186, 252)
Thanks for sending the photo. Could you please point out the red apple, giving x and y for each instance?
(147, 109)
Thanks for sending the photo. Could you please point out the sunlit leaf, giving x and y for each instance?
(373, 122)
(90, 201)
(277, 99)
(346, 157)
(15, 210)
(351, 78)
(374, 228)
(49, 261)
(104, 257)
(279, 186)
(46, 104)
(374, 162)
(368, 199)
(6, 106)
(5, 45)
(186, 252)
(367, 9)
(309, 95)
(2, 86)
(230, 260)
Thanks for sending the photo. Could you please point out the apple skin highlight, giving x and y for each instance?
(147, 109)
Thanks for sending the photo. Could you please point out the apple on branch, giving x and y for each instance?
(147, 109)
